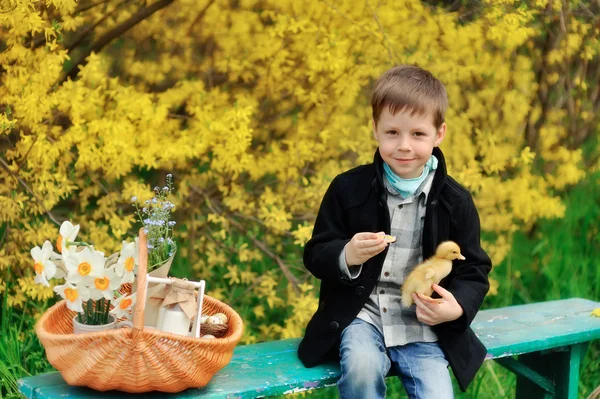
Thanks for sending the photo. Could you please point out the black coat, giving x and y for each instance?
(356, 202)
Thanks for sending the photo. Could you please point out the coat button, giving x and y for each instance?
(359, 290)
(334, 326)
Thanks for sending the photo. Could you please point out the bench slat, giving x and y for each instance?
(538, 326)
(272, 368)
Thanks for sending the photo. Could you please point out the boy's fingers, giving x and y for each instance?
(367, 236)
(373, 250)
(428, 299)
(367, 244)
(444, 293)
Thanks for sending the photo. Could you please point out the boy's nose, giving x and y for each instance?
(403, 144)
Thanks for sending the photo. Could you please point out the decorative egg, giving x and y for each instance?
(214, 320)
(223, 317)
(208, 336)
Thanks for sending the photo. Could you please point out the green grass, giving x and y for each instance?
(21, 354)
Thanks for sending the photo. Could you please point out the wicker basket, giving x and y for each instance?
(136, 359)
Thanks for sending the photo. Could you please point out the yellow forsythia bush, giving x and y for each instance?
(254, 106)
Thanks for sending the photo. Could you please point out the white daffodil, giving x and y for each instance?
(68, 233)
(105, 285)
(123, 305)
(84, 266)
(44, 268)
(75, 296)
(127, 262)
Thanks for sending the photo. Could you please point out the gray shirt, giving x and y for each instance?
(383, 307)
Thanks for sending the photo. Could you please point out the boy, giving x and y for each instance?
(406, 193)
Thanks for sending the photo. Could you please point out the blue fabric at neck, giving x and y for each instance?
(407, 187)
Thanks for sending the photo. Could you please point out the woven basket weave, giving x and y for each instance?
(135, 359)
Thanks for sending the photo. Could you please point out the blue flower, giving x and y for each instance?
(169, 175)
(172, 223)
(133, 199)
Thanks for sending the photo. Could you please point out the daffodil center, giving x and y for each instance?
(71, 294)
(59, 244)
(129, 264)
(101, 283)
(125, 303)
(84, 268)
(39, 268)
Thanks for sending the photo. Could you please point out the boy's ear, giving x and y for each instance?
(441, 133)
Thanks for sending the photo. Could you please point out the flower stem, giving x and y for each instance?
(106, 310)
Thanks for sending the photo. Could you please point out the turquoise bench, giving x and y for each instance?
(549, 340)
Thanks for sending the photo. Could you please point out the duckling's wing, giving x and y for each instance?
(429, 273)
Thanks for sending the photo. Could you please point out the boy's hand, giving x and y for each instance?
(435, 311)
(363, 247)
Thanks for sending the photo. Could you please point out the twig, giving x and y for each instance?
(387, 45)
(257, 220)
(341, 13)
(17, 178)
(27, 153)
(199, 17)
(284, 268)
(90, 6)
(84, 32)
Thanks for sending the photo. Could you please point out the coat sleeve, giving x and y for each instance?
(330, 235)
(468, 281)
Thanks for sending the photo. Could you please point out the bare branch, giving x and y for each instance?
(17, 178)
(199, 17)
(112, 34)
(392, 54)
(84, 32)
(260, 244)
(90, 6)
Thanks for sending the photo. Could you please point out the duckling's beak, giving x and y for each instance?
(461, 257)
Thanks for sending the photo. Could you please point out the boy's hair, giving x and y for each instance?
(413, 88)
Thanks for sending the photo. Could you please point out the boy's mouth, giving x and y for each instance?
(404, 160)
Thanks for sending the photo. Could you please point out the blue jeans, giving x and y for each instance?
(365, 361)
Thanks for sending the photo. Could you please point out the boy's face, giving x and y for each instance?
(406, 142)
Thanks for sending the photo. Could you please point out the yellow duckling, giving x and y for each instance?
(431, 271)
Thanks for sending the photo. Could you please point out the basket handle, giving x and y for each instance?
(140, 304)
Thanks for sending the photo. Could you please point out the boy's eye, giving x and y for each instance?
(419, 134)
(391, 132)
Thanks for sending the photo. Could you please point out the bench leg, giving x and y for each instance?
(559, 366)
